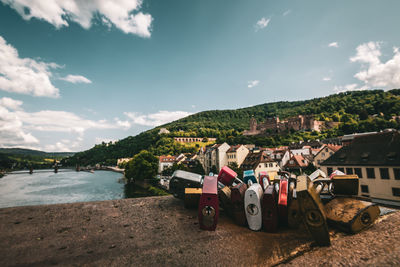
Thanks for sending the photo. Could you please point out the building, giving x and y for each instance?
(164, 162)
(237, 154)
(324, 153)
(375, 158)
(297, 123)
(297, 163)
(214, 155)
(163, 131)
(259, 162)
(281, 155)
(349, 138)
(194, 139)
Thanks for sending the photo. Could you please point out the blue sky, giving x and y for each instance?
(74, 74)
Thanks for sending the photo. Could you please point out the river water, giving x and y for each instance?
(66, 186)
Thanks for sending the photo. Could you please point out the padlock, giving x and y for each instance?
(351, 215)
(345, 185)
(249, 176)
(283, 201)
(224, 195)
(312, 211)
(270, 209)
(263, 179)
(294, 214)
(192, 197)
(252, 206)
(209, 206)
(237, 199)
(227, 176)
(183, 179)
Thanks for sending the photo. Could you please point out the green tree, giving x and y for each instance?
(142, 166)
(235, 168)
(214, 169)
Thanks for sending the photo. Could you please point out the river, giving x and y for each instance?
(67, 186)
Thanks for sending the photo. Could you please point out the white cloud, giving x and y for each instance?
(17, 125)
(76, 79)
(122, 124)
(10, 103)
(61, 146)
(326, 79)
(61, 121)
(261, 24)
(251, 84)
(333, 44)
(348, 87)
(25, 75)
(156, 119)
(287, 12)
(11, 129)
(374, 73)
(99, 140)
(123, 14)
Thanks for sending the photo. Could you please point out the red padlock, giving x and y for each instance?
(264, 180)
(208, 206)
(227, 176)
(283, 201)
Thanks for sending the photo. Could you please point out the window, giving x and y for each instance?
(396, 173)
(330, 153)
(326, 149)
(270, 164)
(319, 162)
(323, 154)
(329, 170)
(364, 189)
(349, 170)
(396, 191)
(384, 173)
(341, 169)
(358, 172)
(370, 173)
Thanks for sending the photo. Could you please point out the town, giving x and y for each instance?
(372, 156)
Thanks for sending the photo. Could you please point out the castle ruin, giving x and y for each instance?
(297, 123)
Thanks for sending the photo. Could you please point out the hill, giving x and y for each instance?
(358, 111)
(20, 158)
(31, 152)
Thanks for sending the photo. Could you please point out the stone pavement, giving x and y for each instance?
(159, 231)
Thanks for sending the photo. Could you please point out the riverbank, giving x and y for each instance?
(159, 231)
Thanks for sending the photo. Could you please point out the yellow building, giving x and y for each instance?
(376, 160)
(237, 154)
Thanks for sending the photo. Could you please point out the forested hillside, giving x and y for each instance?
(358, 111)
(20, 158)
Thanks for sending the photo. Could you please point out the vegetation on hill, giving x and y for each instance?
(20, 158)
(358, 111)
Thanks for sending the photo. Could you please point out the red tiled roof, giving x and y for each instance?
(334, 147)
(298, 161)
(167, 158)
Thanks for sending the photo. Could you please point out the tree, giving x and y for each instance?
(214, 169)
(235, 168)
(142, 166)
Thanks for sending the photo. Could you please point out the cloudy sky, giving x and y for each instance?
(74, 73)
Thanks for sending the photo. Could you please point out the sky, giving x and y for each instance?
(75, 73)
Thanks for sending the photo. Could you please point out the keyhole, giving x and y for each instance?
(365, 218)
